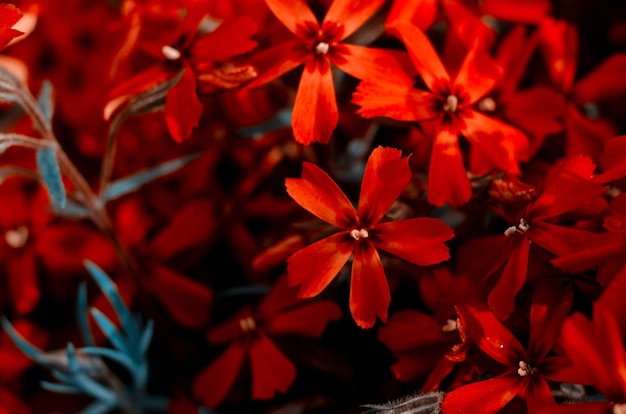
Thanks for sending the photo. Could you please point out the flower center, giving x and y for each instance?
(619, 409)
(525, 369)
(358, 234)
(451, 103)
(171, 53)
(322, 48)
(247, 324)
(17, 238)
(521, 228)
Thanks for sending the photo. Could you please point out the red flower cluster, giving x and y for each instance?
(313, 205)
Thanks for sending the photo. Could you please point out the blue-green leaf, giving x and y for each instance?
(51, 176)
(281, 120)
(134, 182)
(112, 354)
(46, 102)
(146, 337)
(60, 388)
(110, 331)
(82, 315)
(26, 347)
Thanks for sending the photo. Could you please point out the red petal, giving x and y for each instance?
(586, 136)
(9, 15)
(210, 391)
(605, 82)
(23, 282)
(551, 304)
(491, 336)
(479, 73)
(276, 61)
(10, 403)
(231, 38)
(393, 97)
(501, 143)
(538, 394)
(308, 319)
(514, 274)
(351, 14)
(182, 107)
(422, 53)
(316, 265)
(559, 43)
(595, 348)
(386, 175)
(315, 108)
(483, 397)
(419, 240)
(271, 370)
(421, 13)
(193, 225)
(613, 297)
(579, 408)
(408, 330)
(187, 301)
(318, 193)
(612, 160)
(519, 11)
(373, 64)
(292, 13)
(447, 178)
(369, 291)
(558, 240)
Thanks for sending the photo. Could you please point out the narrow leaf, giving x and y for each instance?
(281, 120)
(146, 337)
(110, 331)
(51, 176)
(82, 315)
(132, 183)
(59, 388)
(112, 294)
(26, 347)
(46, 102)
(113, 355)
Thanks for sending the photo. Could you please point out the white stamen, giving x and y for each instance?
(322, 48)
(451, 103)
(358, 234)
(487, 104)
(450, 326)
(170, 53)
(521, 228)
(525, 369)
(17, 238)
(247, 324)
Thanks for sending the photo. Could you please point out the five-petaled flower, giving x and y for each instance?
(315, 112)
(418, 240)
(449, 103)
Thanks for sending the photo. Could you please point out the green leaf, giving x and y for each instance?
(46, 102)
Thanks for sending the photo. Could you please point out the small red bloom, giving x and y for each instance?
(249, 332)
(526, 368)
(419, 240)
(449, 104)
(315, 112)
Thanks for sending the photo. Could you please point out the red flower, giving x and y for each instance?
(419, 240)
(526, 368)
(249, 332)
(317, 46)
(449, 104)
(569, 188)
(9, 15)
(197, 59)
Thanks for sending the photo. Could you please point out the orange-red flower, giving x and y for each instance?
(449, 103)
(315, 112)
(418, 240)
